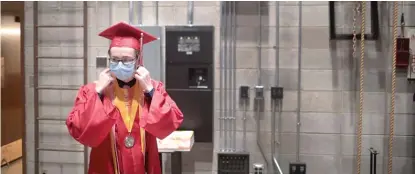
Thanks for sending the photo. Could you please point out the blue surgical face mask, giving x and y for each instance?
(121, 70)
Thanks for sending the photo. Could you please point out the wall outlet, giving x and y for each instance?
(297, 168)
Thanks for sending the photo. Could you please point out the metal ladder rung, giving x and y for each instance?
(50, 119)
(60, 26)
(58, 88)
(59, 150)
(48, 57)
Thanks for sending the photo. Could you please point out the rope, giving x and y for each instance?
(392, 109)
(355, 11)
(361, 85)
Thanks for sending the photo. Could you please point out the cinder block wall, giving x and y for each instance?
(328, 85)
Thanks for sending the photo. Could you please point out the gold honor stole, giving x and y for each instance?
(128, 110)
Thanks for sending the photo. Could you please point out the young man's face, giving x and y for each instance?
(128, 57)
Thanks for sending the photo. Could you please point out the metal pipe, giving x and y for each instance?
(230, 69)
(234, 73)
(374, 162)
(277, 42)
(111, 19)
(277, 165)
(130, 12)
(226, 77)
(273, 127)
(110, 13)
(140, 12)
(97, 11)
(259, 43)
(278, 103)
(221, 61)
(258, 101)
(156, 6)
(86, 159)
(230, 85)
(371, 163)
(35, 83)
(190, 9)
(229, 58)
(274, 102)
(245, 103)
(280, 106)
(300, 21)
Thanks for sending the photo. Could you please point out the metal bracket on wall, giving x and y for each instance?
(373, 154)
(374, 16)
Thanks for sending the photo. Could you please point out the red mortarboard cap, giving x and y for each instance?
(125, 35)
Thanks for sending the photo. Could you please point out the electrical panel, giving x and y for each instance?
(189, 76)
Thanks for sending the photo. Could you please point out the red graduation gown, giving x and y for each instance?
(91, 121)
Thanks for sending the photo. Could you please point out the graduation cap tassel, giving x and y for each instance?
(142, 49)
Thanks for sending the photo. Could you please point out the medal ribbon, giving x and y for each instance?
(129, 108)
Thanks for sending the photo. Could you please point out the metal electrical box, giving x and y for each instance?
(189, 76)
(297, 168)
(152, 58)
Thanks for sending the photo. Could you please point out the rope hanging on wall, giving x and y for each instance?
(361, 75)
(392, 107)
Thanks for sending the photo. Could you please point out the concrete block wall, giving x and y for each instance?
(69, 43)
(328, 85)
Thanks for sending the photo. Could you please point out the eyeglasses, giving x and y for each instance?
(124, 60)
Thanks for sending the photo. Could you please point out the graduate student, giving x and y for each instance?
(122, 113)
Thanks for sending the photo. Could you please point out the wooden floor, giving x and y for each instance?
(15, 167)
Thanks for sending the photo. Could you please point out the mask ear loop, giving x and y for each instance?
(141, 62)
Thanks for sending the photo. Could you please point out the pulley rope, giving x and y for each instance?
(392, 109)
(361, 86)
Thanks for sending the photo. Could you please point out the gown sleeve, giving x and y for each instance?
(164, 116)
(91, 119)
